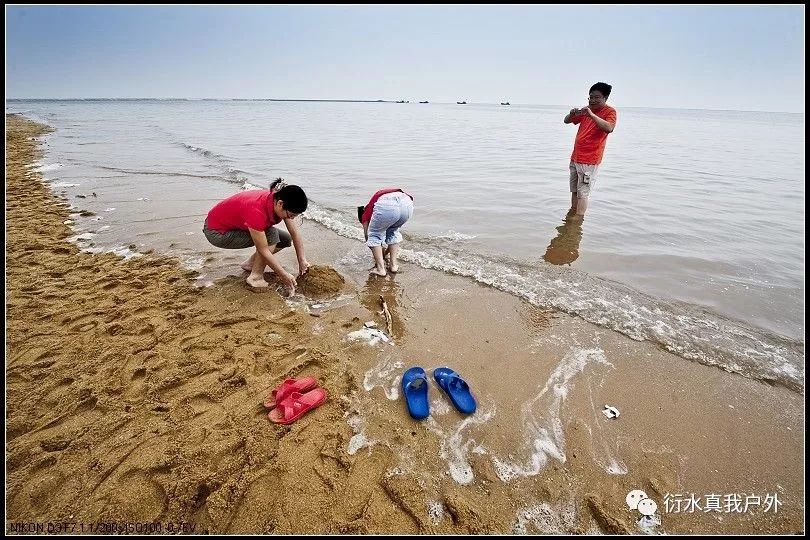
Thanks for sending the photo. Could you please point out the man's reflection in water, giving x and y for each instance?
(564, 249)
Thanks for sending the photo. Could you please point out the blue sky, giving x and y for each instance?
(743, 57)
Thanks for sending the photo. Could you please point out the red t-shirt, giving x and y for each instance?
(247, 209)
(370, 206)
(590, 142)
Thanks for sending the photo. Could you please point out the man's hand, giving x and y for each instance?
(303, 267)
(573, 112)
(288, 279)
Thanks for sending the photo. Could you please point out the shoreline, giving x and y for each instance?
(134, 396)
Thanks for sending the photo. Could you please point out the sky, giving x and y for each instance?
(689, 57)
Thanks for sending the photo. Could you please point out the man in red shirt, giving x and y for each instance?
(595, 122)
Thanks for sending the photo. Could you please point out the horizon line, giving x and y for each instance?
(398, 102)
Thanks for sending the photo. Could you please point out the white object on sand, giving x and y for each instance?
(610, 412)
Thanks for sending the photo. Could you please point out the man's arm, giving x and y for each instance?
(572, 113)
(604, 125)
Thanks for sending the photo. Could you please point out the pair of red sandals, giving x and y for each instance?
(293, 398)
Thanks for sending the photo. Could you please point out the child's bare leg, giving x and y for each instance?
(379, 261)
(394, 252)
(256, 277)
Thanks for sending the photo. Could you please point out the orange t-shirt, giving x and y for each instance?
(590, 142)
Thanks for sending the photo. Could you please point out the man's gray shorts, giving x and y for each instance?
(238, 239)
(582, 178)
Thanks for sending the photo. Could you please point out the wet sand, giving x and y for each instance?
(135, 397)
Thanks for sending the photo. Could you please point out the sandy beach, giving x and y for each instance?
(134, 398)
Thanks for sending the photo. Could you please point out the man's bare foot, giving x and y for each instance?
(257, 282)
(377, 272)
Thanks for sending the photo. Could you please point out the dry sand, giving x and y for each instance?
(134, 397)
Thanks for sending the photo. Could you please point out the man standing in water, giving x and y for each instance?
(595, 122)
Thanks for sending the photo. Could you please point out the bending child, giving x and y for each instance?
(382, 217)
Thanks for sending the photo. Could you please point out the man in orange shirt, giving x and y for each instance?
(595, 122)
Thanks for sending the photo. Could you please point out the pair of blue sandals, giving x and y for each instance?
(415, 390)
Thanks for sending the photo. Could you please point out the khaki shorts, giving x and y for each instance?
(238, 239)
(582, 178)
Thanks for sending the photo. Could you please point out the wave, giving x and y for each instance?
(686, 330)
(161, 173)
(229, 173)
(204, 152)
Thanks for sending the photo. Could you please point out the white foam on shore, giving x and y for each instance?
(63, 184)
(41, 167)
(455, 236)
(439, 406)
(332, 221)
(456, 445)
(326, 305)
(603, 454)
(359, 439)
(650, 524)
(122, 251)
(386, 374)
(371, 336)
(125, 252)
(357, 442)
(82, 237)
(435, 511)
(193, 263)
(541, 417)
(544, 519)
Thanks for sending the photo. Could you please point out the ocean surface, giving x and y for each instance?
(694, 236)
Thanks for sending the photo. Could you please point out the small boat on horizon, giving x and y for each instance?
(403, 101)
(424, 102)
(505, 103)
(461, 102)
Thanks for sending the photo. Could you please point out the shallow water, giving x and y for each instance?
(694, 237)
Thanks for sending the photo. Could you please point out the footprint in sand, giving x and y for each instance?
(249, 513)
(141, 498)
(57, 394)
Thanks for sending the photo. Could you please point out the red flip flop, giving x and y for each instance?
(288, 387)
(296, 405)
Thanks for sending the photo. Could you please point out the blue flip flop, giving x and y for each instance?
(415, 390)
(458, 390)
